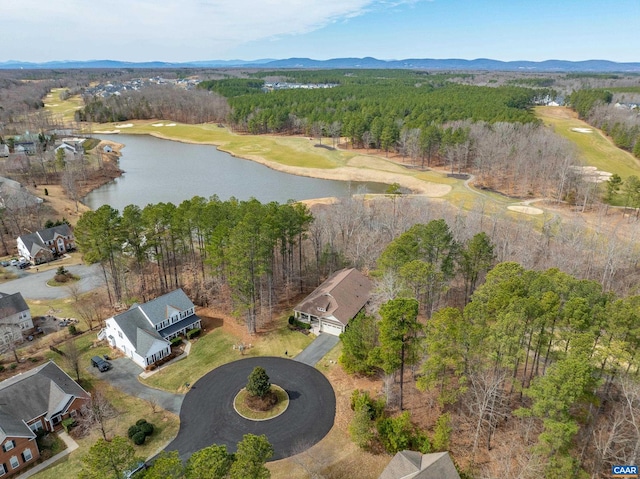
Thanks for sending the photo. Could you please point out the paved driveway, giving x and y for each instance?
(317, 349)
(208, 416)
(124, 376)
(34, 285)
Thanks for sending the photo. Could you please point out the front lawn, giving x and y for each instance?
(207, 353)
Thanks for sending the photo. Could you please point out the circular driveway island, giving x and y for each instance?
(207, 415)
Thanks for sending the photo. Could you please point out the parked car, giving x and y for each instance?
(23, 264)
(101, 364)
(14, 262)
(5, 263)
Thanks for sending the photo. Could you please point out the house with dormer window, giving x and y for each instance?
(330, 307)
(143, 333)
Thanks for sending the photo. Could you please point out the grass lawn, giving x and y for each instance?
(58, 307)
(207, 353)
(595, 148)
(65, 108)
(281, 406)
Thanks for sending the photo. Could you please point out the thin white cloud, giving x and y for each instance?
(160, 29)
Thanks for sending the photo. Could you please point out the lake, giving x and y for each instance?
(157, 170)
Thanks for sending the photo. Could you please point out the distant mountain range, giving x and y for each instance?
(597, 66)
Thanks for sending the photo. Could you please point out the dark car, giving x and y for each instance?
(23, 264)
(101, 364)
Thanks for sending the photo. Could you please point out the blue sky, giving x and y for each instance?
(187, 30)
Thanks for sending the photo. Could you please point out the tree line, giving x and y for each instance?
(247, 248)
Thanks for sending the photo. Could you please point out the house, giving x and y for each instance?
(15, 197)
(415, 465)
(44, 245)
(331, 306)
(38, 399)
(15, 318)
(143, 332)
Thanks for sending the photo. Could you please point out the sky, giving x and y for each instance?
(192, 30)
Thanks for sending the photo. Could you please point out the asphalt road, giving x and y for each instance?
(124, 376)
(317, 349)
(207, 416)
(33, 285)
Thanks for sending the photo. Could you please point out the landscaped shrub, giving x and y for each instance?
(132, 431)
(147, 428)
(299, 324)
(72, 330)
(13, 366)
(68, 424)
(292, 319)
(138, 438)
(1, 368)
(192, 333)
(140, 422)
(176, 341)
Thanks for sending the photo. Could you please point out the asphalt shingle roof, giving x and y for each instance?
(342, 295)
(11, 304)
(46, 389)
(163, 307)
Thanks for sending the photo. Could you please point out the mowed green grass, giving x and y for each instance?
(289, 151)
(595, 148)
(65, 108)
(217, 348)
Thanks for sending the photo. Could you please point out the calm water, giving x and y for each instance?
(169, 171)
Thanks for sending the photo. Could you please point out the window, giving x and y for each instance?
(3, 469)
(120, 334)
(26, 455)
(36, 426)
(14, 462)
(8, 446)
(55, 420)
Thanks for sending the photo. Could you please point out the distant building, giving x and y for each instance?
(45, 245)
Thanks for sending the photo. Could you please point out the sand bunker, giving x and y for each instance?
(592, 174)
(170, 124)
(527, 210)
(126, 125)
(582, 130)
(106, 132)
(157, 124)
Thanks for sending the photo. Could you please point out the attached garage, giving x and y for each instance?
(334, 329)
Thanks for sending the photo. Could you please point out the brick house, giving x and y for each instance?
(37, 399)
(45, 245)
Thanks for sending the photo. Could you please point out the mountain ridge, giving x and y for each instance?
(458, 64)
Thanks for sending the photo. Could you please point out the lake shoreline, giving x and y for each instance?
(339, 173)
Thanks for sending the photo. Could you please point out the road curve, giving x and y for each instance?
(207, 415)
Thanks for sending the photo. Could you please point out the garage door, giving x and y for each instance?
(331, 329)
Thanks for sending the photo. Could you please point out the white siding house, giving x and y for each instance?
(143, 333)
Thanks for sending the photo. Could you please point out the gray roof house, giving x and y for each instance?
(38, 399)
(331, 306)
(143, 332)
(15, 317)
(43, 245)
(41, 397)
(415, 465)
